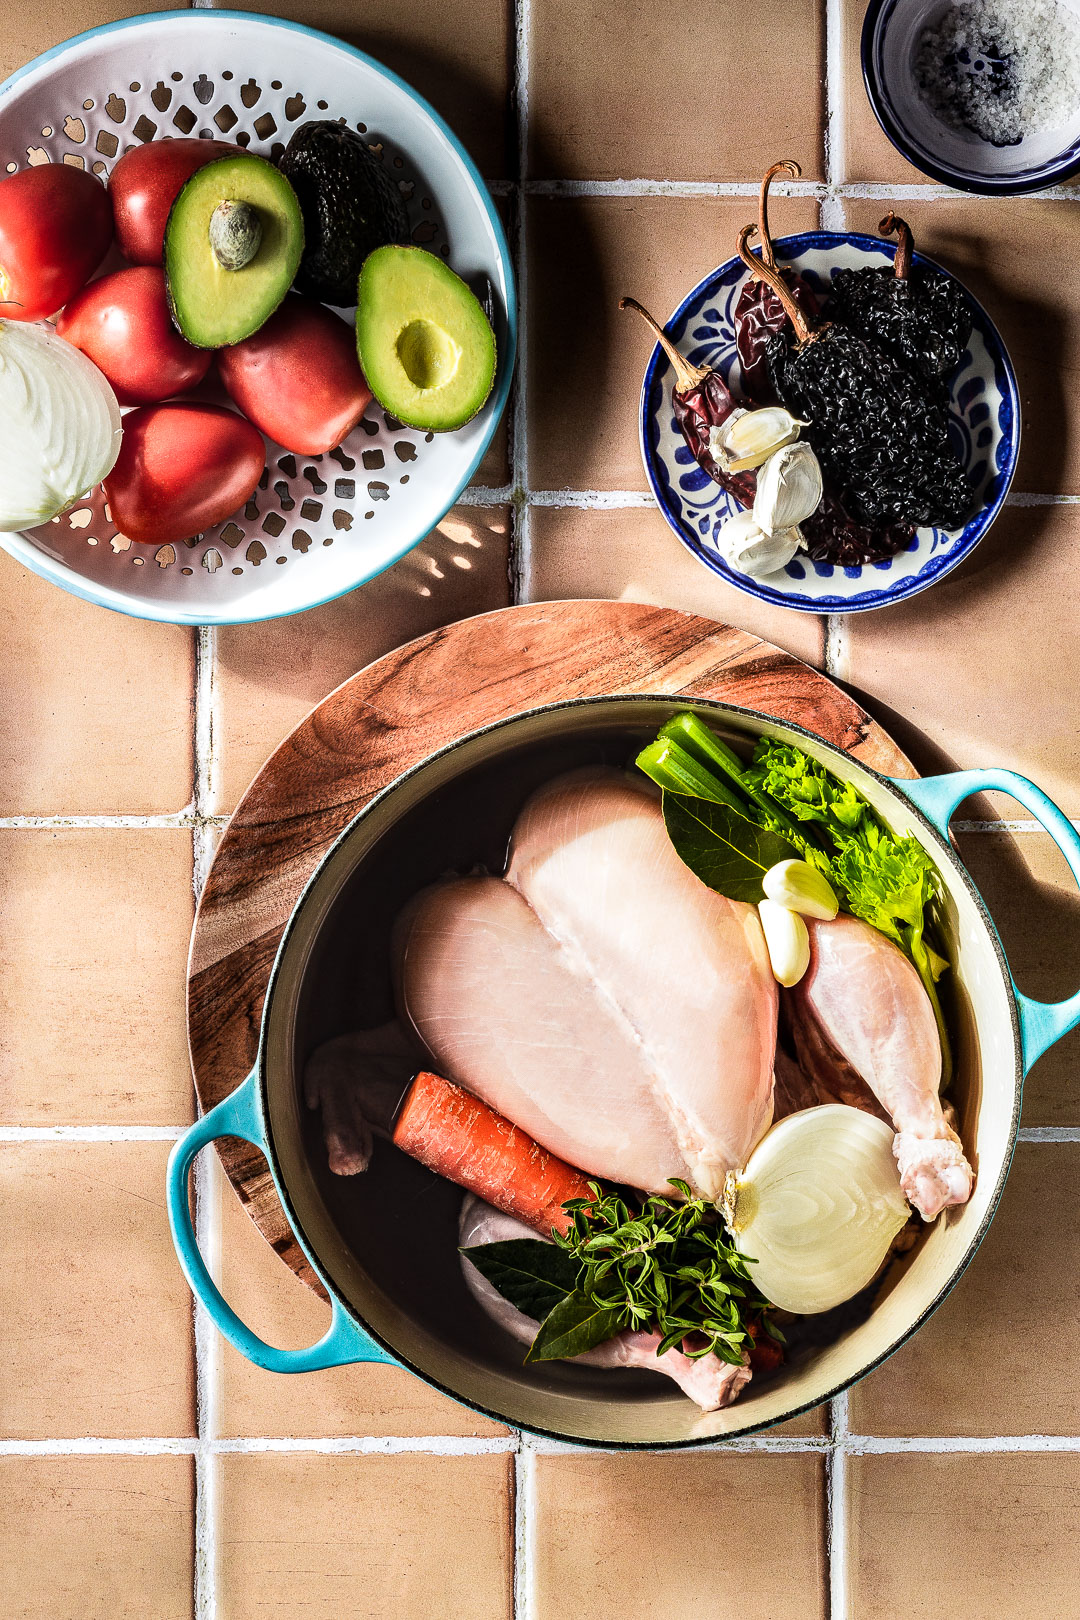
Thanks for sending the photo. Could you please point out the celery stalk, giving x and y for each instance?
(676, 771)
(706, 749)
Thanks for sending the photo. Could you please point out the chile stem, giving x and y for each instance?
(772, 278)
(786, 166)
(687, 376)
(892, 225)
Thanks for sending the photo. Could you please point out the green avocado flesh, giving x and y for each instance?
(211, 305)
(425, 345)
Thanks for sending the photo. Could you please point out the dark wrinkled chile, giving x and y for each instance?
(882, 444)
(758, 311)
(832, 535)
(700, 401)
(918, 317)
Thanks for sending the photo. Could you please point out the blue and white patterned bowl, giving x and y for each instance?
(984, 424)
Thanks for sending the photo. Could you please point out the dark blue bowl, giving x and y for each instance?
(890, 34)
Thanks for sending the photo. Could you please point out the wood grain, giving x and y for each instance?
(392, 715)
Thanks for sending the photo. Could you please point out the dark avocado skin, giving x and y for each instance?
(350, 203)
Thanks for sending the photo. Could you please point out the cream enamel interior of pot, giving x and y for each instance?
(386, 1240)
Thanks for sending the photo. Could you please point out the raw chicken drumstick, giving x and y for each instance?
(868, 1000)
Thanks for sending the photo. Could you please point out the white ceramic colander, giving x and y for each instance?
(318, 525)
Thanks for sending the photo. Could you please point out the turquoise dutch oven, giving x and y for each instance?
(384, 1244)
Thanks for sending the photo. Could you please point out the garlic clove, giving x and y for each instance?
(817, 1207)
(802, 888)
(718, 437)
(789, 488)
(748, 438)
(747, 549)
(788, 940)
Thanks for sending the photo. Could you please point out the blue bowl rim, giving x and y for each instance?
(58, 573)
(1032, 180)
(787, 247)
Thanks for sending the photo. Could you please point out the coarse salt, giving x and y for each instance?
(1002, 69)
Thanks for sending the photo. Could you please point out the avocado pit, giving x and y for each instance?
(429, 356)
(235, 233)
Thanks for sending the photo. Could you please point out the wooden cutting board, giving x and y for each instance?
(396, 712)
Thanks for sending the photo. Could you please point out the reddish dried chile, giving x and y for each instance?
(700, 401)
(759, 312)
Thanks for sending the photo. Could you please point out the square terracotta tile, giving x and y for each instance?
(979, 670)
(327, 1536)
(361, 1400)
(715, 1533)
(92, 954)
(269, 675)
(980, 1536)
(101, 1538)
(97, 1317)
(1016, 256)
(96, 706)
(1001, 1355)
(631, 554)
(26, 30)
(586, 357)
(456, 54)
(1032, 897)
(646, 90)
(867, 152)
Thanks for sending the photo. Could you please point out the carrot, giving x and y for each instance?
(459, 1137)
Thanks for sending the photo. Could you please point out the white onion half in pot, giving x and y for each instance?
(817, 1206)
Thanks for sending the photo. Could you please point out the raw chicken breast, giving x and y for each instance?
(869, 1002)
(600, 996)
(710, 1382)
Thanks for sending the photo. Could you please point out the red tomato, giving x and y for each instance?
(181, 469)
(298, 377)
(122, 323)
(144, 185)
(55, 229)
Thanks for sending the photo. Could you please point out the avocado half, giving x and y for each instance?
(233, 242)
(425, 345)
(351, 205)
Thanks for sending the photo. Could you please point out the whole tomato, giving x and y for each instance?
(55, 229)
(122, 323)
(181, 469)
(298, 377)
(145, 184)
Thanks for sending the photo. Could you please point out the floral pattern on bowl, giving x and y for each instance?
(984, 425)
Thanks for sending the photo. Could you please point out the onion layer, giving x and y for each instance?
(59, 425)
(817, 1206)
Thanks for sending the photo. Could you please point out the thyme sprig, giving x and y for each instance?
(668, 1268)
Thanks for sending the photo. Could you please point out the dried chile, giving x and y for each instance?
(700, 401)
(759, 312)
(832, 535)
(918, 317)
(882, 444)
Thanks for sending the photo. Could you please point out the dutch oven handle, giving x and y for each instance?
(344, 1341)
(1041, 1022)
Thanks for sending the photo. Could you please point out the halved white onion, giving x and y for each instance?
(59, 424)
(817, 1206)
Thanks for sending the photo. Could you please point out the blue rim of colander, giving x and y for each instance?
(658, 474)
(1017, 183)
(40, 563)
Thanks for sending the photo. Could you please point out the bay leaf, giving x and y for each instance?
(533, 1275)
(576, 1324)
(722, 848)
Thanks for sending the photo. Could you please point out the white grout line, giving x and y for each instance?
(523, 1527)
(871, 190)
(91, 1133)
(599, 498)
(1053, 1135)
(432, 1445)
(836, 1527)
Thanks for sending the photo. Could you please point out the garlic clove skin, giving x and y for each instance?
(802, 888)
(788, 941)
(748, 438)
(817, 1207)
(718, 437)
(750, 551)
(789, 488)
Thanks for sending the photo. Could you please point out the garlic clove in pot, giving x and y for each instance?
(788, 941)
(748, 438)
(788, 488)
(802, 888)
(817, 1206)
(743, 544)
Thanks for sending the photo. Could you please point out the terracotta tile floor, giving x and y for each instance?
(146, 1469)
